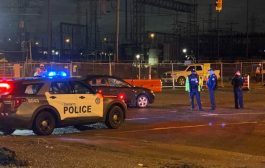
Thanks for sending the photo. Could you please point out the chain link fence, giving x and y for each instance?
(161, 71)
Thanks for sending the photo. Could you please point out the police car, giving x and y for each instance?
(42, 104)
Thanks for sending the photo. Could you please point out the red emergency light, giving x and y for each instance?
(6, 87)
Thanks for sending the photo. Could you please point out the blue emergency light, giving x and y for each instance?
(62, 73)
(52, 74)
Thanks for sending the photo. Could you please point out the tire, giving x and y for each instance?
(142, 101)
(7, 131)
(44, 123)
(181, 81)
(115, 117)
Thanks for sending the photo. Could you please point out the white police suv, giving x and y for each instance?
(42, 104)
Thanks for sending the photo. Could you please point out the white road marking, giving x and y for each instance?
(203, 114)
(209, 114)
(131, 119)
(173, 111)
(230, 114)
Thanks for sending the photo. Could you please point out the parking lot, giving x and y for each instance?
(167, 134)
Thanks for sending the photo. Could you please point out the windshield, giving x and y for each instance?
(118, 83)
(179, 67)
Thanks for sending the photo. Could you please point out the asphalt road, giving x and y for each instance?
(167, 134)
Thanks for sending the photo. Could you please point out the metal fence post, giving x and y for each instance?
(262, 78)
(150, 72)
(241, 67)
(110, 69)
(71, 69)
(222, 79)
(173, 77)
(139, 70)
(24, 69)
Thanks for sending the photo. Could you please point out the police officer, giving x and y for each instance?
(211, 84)
(258, 73)
(237, 83)
(192, 86)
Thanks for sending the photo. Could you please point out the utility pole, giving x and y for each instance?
(87, 46)
(218, 8)
(218, 35)
(210, 17)
(49, 28)
(30, 51)
(116, 58)
(126, 20)
(247, 38)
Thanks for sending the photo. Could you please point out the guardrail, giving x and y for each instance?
(154, 85)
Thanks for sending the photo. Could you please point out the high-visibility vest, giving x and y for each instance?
(187, 85)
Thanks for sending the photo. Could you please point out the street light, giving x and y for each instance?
(67, 40)
(137, 56)
(152, 35)
(184, 50)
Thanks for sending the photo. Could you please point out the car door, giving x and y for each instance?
(89, 103)
(121, 88)
(61, 98)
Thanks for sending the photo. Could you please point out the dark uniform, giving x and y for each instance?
(194, 89)
(211, 84)
(237, 83)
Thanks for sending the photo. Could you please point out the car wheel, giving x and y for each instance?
(7, 131)
(142, 101)
(181, 81)
(44, 123)
(115, 117)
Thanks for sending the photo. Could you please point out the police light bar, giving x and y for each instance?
(51, 74)
(57, 74)
(63, 74)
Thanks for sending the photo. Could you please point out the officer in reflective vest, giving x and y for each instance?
(211, 84)
(193, 87)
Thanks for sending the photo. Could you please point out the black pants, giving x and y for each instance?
(198, 99)
(212, 98)
(238, 95)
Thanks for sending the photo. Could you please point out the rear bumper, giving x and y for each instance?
(14, 121)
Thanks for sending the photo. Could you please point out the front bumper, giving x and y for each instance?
(151, 98)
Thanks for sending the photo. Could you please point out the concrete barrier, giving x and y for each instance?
(155, 85)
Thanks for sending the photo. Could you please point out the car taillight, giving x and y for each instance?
(6, 88)
(99, 91)
(18, 101)
(121, 96)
